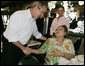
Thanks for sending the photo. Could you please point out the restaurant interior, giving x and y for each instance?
(74, 11)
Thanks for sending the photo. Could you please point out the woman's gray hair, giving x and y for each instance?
(40, 4)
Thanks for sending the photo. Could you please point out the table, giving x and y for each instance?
(78, 60)
(34, 44)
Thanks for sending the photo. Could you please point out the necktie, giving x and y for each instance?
(44, 28)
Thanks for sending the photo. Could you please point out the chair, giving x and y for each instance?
(29, 60)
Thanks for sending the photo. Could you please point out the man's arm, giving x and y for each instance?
(25, 50)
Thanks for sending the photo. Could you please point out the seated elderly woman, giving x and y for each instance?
(57, 47)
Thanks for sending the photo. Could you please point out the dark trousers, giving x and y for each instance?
(11, 54)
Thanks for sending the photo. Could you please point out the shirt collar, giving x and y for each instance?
(60, 17)
(30, 14)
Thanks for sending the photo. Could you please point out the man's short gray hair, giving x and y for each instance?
(40, 4)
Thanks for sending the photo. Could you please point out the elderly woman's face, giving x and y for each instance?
(60, 31)
(60, 11)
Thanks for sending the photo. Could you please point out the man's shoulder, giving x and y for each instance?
(19, 12)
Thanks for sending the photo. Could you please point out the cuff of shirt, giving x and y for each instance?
(38, 36)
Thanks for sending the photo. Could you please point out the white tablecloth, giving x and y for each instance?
(78, 60)
(33, 43)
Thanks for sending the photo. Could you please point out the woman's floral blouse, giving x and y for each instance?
(51, 45)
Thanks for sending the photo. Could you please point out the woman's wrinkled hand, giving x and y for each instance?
(56, 53)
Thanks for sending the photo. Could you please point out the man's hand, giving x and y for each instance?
(43, 38)
(51, 36)
(27, 51)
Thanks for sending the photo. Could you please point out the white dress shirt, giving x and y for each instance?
(21, 26)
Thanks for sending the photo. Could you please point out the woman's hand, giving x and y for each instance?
(56, 53)
(36, 51)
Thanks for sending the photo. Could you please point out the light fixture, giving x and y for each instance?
(51, 4)
(81, 3)
(4, 9)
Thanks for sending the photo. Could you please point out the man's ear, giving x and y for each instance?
(37, 7)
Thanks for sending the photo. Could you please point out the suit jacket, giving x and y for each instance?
(40, 24)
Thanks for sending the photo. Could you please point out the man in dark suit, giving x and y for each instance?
(42, 28)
